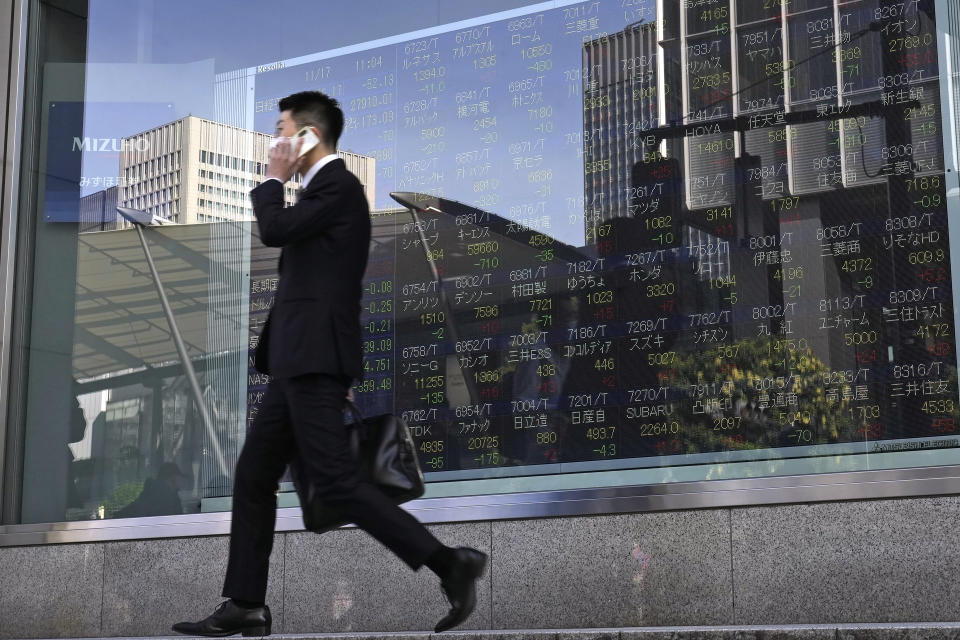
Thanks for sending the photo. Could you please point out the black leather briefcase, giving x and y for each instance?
(388, 459)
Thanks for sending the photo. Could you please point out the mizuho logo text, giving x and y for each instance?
(110, 144)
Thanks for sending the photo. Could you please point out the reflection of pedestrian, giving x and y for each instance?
(78, 429)
(160, 496)
(78, 422)
(311, 346)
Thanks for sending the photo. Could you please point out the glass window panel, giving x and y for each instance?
(813, 68)
(708, 16)
(799, 6)
(756, 10)
(709, 78)
(761, 67)
(671, 249)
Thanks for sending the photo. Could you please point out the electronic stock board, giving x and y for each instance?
(618, 239)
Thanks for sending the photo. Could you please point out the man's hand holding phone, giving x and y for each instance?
(284, 159)
(286, 154)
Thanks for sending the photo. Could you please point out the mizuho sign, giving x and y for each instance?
(109, 144)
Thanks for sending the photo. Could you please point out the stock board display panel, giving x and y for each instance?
(622, 240)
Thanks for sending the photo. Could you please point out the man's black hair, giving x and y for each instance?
(316, 109)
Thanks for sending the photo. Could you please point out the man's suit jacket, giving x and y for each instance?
(314, 325)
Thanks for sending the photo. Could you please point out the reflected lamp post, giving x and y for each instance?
(141, 219)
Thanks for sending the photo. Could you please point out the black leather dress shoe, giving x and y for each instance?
(460, 586)
(228, 619)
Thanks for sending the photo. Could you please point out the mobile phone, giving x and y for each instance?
(309, 138)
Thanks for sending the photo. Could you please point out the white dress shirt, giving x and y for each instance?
(320, 164)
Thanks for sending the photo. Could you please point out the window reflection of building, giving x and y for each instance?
(197, 170)
(784, 133)
(98, 211)
(621, 99)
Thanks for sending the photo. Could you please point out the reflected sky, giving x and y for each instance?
(512, 97)
(244, 33)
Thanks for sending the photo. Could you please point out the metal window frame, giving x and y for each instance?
(9, 208)
(839, 486)
(711, 494)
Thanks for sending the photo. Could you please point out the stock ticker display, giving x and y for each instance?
(606, 238)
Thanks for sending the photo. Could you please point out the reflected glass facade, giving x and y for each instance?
(615, 242)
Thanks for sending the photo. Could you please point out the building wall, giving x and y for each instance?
(242, 166)
(614, 93)
(842, 562)
(196, 170)
(98, 211)
(151, 172)
(365, 168)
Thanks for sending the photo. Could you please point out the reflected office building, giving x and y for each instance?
(197, 170)
(98, 211)
(768, 176)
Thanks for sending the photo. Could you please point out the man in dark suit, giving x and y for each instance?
(311, 347)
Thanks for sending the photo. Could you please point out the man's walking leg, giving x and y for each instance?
(268, 448)
(316, 411)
